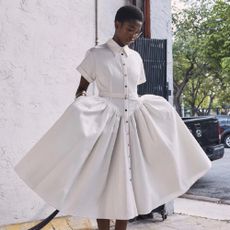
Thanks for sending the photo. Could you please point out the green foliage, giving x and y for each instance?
(201, 54)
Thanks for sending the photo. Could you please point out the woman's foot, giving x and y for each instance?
(103, 224)
(121, 224)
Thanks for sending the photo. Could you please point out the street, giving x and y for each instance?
(216, 183)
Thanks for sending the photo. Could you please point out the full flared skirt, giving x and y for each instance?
(84, 166)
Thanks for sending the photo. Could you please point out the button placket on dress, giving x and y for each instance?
(126, 110)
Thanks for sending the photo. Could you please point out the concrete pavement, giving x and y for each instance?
(206, 207)
(173, 222)
(189, 214)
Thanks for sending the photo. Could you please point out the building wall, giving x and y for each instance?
(161, 28)
(41, 43)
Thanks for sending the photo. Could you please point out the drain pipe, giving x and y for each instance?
(96, 22)
(96, 38)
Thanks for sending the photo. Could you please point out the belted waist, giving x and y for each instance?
(118, 95)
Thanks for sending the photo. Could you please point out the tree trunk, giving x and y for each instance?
(178, 89)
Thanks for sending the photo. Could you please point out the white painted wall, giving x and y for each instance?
(41, 43)
(161, 29)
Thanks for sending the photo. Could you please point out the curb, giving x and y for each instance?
(206, 199)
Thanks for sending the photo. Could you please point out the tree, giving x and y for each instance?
(201, 70)
(217, 45)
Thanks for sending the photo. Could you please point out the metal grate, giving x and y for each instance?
(154, 55)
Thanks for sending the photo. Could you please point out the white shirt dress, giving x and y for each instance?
(114, 155)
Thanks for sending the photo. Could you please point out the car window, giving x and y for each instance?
(222, 120)
(228, 120)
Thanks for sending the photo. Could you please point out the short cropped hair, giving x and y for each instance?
(128, 13)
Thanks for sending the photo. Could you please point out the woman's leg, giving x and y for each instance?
(121, 224)
(103, 224)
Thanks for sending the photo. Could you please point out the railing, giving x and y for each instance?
(154, 55)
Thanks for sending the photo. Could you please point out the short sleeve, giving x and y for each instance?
(87, 66)
(142, 77)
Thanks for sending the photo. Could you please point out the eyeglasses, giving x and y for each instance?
(137, 35)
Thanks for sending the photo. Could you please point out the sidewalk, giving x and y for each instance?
(189, 215)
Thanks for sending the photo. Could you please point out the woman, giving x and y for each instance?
(115, 155)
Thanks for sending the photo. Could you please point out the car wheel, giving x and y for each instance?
(227, 141)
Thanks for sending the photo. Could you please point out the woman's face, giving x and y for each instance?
(127, 31)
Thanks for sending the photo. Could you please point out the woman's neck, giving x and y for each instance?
(118, 41)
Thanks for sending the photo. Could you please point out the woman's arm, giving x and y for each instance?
(83, 85)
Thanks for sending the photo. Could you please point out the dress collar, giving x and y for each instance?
(116, 48)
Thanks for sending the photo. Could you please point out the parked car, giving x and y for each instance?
(206, 130)
(224, 121)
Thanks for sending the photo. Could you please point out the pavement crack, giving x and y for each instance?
(53, 228)
(67, 222)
